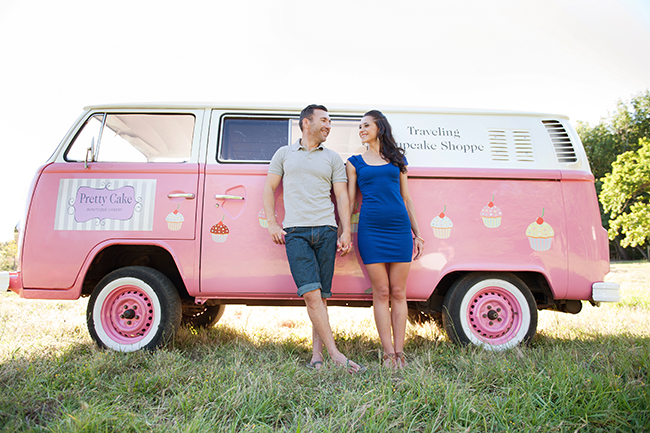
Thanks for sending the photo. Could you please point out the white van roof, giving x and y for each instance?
(344, 108)
(442, 137)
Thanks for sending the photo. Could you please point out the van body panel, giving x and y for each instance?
(207, 210)
(472, 245)
(147, 189)
(588, 242)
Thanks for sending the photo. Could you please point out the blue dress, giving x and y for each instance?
(384, 227)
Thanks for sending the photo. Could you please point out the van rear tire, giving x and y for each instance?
(495, 311)
(133, 308)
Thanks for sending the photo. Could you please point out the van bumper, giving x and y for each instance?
(606, 292)
(10, 281)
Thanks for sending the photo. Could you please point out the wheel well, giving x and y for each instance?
(118, 256)
(536, 282)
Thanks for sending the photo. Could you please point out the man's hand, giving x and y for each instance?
(344, 243)
(276, 232)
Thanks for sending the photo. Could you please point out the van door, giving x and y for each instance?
(238, 258)
(129, 176)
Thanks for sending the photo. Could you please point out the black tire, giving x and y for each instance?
(133, 308)
(202, 316)
(419, 318)
(495, 311)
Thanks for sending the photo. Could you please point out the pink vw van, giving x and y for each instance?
(155, 212)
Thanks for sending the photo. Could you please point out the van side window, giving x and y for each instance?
(135, 138)
(343, 138)
(252, 139)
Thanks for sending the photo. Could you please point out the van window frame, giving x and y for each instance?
(105, 113)
(223, 117)
(247, 116)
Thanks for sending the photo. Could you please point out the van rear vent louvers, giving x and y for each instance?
(561, 141)
(523, 146)
(504, 142)
(498, 145)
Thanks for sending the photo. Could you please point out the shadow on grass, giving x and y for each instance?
(200, 342)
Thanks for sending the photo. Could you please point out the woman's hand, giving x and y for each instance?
(418, 247)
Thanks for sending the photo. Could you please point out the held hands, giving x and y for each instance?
(344, 243)
(276, 232)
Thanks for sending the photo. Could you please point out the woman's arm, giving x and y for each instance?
(352, 184)
(418, 242)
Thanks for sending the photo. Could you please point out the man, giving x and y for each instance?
(309, 171)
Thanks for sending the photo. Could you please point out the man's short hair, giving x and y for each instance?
(308, 113)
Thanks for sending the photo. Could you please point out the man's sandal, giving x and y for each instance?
(312, 365)
(351, 370)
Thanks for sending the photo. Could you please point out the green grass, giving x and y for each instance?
(588, 372)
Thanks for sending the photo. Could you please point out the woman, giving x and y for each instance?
(389, 237)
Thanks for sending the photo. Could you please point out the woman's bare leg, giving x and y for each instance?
(397, 274)
(381, 304)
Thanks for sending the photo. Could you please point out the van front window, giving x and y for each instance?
(135, 138)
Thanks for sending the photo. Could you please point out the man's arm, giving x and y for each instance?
(343, 206)
(272, 183)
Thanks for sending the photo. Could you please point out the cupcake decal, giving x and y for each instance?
(219, 232)
(261, 217)
(441, 225)
(175, 220)
(354, 220)
(491, 215)
(540, 234)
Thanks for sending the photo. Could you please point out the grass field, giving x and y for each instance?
(585, 372)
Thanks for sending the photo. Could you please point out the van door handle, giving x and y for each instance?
(187, 195)
(228, 197)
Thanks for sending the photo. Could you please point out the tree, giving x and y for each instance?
(625, 195)
(620, 133)
(8, 252)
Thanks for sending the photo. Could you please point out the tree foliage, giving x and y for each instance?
(8, 252)
(626, 196)
(617, 134)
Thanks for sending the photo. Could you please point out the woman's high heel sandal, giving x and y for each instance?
(392, 360)
(400, 360)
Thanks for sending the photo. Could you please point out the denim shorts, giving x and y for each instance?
(311, 252)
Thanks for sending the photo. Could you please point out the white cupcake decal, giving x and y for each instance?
(441, 225)
(540, 234)
(175, 220)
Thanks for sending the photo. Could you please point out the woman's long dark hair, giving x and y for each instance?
(387, 144)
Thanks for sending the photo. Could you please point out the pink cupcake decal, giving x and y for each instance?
(491, 215)
(354, 220)
(261, 216)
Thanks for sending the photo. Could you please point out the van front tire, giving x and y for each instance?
(495, 311)
(133, 308)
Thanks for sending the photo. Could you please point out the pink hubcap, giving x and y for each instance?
(127, 314)
(494, 314)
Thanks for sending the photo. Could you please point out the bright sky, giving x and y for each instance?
(573, 57)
